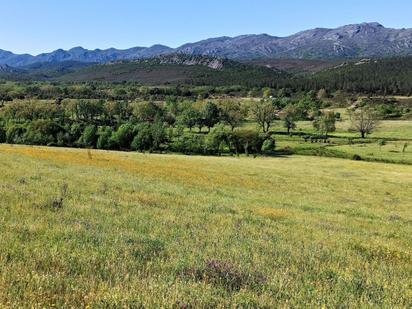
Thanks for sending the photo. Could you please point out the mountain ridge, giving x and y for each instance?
(346, 42)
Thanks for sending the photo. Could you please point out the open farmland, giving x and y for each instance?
(111, 229)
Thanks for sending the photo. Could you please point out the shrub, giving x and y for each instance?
(189, 143)
(381, 142)
(246, 141)
(217, 140)
(357, 157)
(269, 145)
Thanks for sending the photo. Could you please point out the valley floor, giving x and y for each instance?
(86, 227)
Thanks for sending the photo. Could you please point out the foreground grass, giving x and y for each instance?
(117, 229)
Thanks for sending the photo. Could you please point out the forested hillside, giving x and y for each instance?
(388, 76)
(383, 76)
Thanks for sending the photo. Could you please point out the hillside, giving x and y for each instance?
(384, 76)
(8, 72)
(296, 66)
(380, 76)
(108, 229)
(47, 70)
(41, 71)
(174, 69)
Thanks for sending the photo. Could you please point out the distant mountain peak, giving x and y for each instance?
(77, 48)
(364, 40)
(374, 24)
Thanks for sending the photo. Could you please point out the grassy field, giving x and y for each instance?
(396, 134)
(108, 229)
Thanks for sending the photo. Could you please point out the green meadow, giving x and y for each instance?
(88, 228)
(391, 142)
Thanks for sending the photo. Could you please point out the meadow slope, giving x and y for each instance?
(111, 229)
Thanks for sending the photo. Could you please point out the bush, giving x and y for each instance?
(246, 141)
(189, 144)
(357, 157)
(269, 145)
(217, 140)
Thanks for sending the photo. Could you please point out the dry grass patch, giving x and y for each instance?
(273, 214)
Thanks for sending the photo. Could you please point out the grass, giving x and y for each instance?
(132, 230)
(345, 144)
(390, 152)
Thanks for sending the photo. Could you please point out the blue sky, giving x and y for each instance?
(36, 26)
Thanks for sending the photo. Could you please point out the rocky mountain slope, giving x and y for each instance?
(179, 69)
(351, 41)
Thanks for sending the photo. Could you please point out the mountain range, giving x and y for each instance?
(350, 41)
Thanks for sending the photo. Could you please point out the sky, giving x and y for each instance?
(36, 26)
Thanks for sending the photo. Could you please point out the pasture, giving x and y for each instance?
(110, 229)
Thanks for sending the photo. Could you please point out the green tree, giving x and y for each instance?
(116, 111)
(210, 115)
(232, 113)
(309, 105)
(190, 117)
(158, 134)
(325, 123)
(364, 120)
(147, 112)
(103, 141)
(290, 114)
(41, 132)
(143, 139)
(123, 136)
(264, 113)
(89, 136)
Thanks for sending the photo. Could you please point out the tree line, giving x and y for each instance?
(186, 126)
